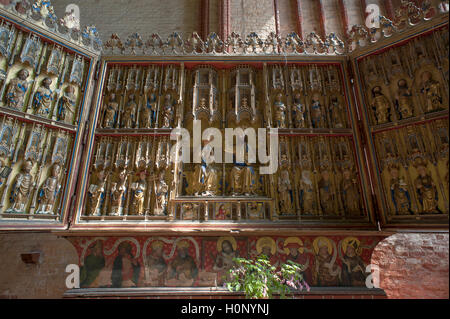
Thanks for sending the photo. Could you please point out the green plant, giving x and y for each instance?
(259, 279)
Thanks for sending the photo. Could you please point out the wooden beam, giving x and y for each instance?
(344, 17)
(322, 30)
(298, 11)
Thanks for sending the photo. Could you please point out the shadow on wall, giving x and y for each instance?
(24, 274)
(414, 266)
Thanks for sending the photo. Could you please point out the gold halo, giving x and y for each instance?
(156, 244)
(266, 241)
(183, 244)
(228, 238)
(291, 240)
(347, 240)
(322, 239)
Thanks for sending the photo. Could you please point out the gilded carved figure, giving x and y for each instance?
(432, 92)
(168, 112)
(299, 111)
(129, 114)
(49, 191)
(399, 192)
(337, 113)
(162, 191)
(118, 193)
(110, 118)
(42, 100)
(404, 99)
(16, 91)
(21, 189)
(147, 116)
(138, 189)
(326, 193)
(96, 194)
(426, 189)
(351, 197)
(285, 191)
(67, 105)
(306, 195)
(317, 112)
(280, 111)
(380, 105)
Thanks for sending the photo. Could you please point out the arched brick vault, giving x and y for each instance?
(413, 265)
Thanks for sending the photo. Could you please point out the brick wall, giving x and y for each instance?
(164, 17)
(414, 265)
(252, 15)
(142, 16)
(43, 280)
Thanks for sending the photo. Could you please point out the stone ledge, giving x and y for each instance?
(209, 291)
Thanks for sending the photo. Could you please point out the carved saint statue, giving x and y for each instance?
(280, 111)
(337, 113)
(404, 100)
(380, 105)
(298, 111)
(198, 180)
(317, 115)
(118, 193)
(399, 193)
(285, 191)
(162, 191)
(129, 114)
(96, 194)
(17, 88)
(49, 191)
(326, 193)
(431, 91)
(426, 189)
(351, 198)
(147, 116)
(168, 112)
(42, 100)
(211, 180)
(306, 193)
(21, 189)
(235, 180)
(249, 180)
(109, 120)
(138, 194)
(67, 105)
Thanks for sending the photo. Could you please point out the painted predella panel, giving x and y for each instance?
(124, 262)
